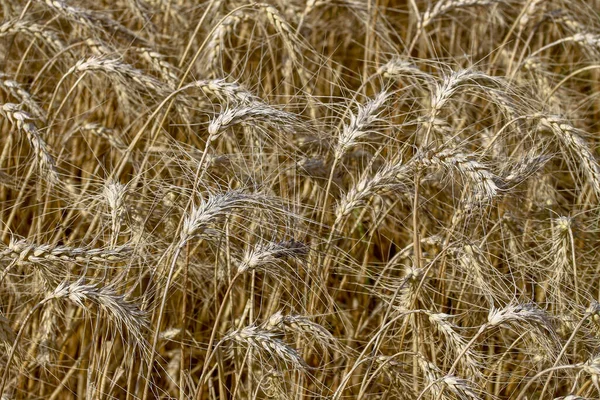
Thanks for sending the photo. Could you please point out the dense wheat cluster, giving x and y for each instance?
(300, 199)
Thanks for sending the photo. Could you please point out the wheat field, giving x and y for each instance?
(300, 199)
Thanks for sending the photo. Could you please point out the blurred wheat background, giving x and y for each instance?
(320, 199)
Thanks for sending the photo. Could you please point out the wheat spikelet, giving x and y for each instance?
(592, 366)
(568, 20)
(486, 184)
(17, 91)
(571, 138)
(22, 121)
(313, 167)
(142, 11)
(471, 259)
(249, 114)
(456, 341)
(284, 29)
(514, 313)
(594, 312)
(432, 374)
(560, 248)
(358, 126)
(443, 91)
(590, 40)
(217, 206)
(292, 43)
(120, 311)
(535, 67)
(47, 335)
(304, 326)
(124, 73)
(270, 254)
(227, 92)
(444, 6)
(110, 135)
(166, 70)
(405, 293)
(391, 176)
(89, 19)
(216, 44)
(534, 8)
(25, 251)
(114, 194)
(525, 168)
(396, 372)
(100, 48)
(273, 384)
(504, 101)
(78, 14)
(398, 67)
(267, 344)
(460, 387)
(457, 80)
(45, 35)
